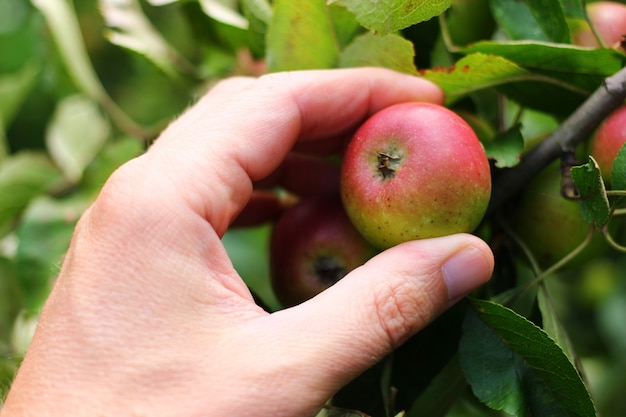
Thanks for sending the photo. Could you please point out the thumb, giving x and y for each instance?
(355, 323)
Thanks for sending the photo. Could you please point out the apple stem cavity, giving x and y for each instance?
(387, 165)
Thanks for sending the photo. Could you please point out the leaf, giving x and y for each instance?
(506, 148)
(129, 28)
(388, 16)
(44, 236)
(259, 15)
(71, 145)
(389, 51)
(514, 366)
(540, 20)
(23, 176)
(581, 68)
(345, 25)
(260, 9)
(618, 172)
(65, 30)
(594, 203)
(437, 398)
(300, 36)
(472, 73)
(552, 324)
(112, 156)
(10, 298)
(574, 8)
(560, 76)
(13, 91)
(224, 11)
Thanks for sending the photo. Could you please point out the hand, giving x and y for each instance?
(148, 316)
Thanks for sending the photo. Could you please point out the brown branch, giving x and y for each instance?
(579, 126)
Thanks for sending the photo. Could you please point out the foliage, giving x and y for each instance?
(531, 342)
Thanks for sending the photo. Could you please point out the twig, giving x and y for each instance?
(574, 129)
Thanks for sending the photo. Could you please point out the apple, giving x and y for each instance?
(609, 20)
(469, 21)
(312, 246)
(550, 225)
(608, 140)
(414, 171)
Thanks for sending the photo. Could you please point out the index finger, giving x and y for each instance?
(243, 129)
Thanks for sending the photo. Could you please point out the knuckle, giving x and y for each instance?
(401, 308)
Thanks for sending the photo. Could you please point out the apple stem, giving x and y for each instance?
(387, 165)
(578, 126)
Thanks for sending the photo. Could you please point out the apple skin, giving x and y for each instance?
(608, 140)
(609, 19)
(550, 225)
(313, 245)
(414, 171)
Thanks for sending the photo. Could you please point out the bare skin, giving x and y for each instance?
(148, 316)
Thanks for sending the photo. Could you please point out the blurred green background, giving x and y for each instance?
(84, 88)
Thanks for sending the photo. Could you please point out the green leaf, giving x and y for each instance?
(345, 25)
(552, 324)
(260, 9)
(225, 11)
(23, 176)
(506, 148)
(438, 397)
(472, 73)
(560, 76)
(618, 172)
(44, 236)
(594, 204)
(71, 145)
(129, 28)
(581, 68)
(65, 30)
(13, 91)
(540, 20)
(574, 8)
(389, 51)
(259, 15)
(300, 36)
(388, 16)
(514, 366)
(112, 156)
(10, 298)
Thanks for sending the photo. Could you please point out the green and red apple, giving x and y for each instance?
(313, 245)
(414, 171)
(609, 20)
(608, 140)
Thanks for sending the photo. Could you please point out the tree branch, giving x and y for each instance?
(579, 126)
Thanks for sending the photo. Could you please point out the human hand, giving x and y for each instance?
(148, 316)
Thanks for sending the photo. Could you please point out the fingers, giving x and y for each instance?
(378, 306)
(243, 129)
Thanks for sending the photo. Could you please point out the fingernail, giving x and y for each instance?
(465, 270)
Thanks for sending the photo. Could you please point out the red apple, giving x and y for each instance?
(413, 171)
(608, 140)
(609, 20)
(313, 245)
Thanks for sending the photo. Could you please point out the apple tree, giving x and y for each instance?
(87, 85)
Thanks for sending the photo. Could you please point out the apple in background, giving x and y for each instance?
(414, 171)
(313, 245)
(469, 21)
(608, 140)
(609, 19)
(550, 225)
